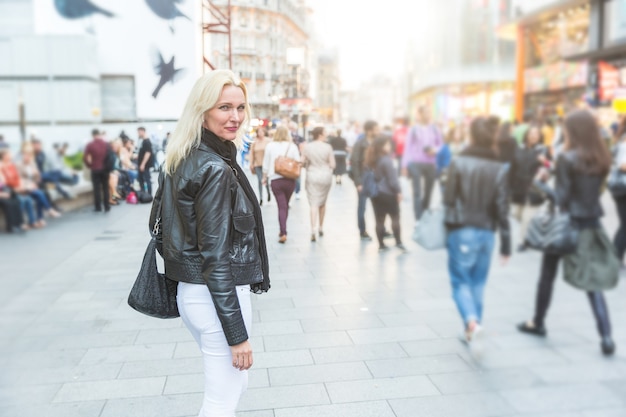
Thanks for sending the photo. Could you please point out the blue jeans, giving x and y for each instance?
(360, 212)
(26, 203)
(469, 258)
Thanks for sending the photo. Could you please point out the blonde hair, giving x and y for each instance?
(281, 134)
(204, 95)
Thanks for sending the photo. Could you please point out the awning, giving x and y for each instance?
(612, 52)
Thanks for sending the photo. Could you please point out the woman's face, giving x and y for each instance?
(225, 118)
(533, 136)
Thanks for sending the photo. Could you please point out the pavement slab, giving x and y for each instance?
(344, 331)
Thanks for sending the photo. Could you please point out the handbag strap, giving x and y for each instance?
(156, 229)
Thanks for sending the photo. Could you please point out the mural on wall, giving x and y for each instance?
(77, 9)
(134, 41)
(167, 10)
(166, 71)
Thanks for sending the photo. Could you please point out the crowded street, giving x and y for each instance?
(344, 330)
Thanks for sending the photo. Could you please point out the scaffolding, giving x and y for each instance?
(215, 21)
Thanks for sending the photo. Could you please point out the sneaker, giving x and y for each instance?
(383, 249)
(530, 328)
(401, 247)
(365, 236)
(313, 238)
(297, 196)
(475, 340)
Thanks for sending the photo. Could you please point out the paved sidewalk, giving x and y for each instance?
(344, 331)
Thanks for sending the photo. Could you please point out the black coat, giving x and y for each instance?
(523, 171)
(477, 194)
(576, 192)
(209, 235)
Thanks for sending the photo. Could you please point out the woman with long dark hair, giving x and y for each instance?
(580, 172)
(387, 202)
(477, 203)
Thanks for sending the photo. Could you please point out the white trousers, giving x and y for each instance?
(223, 384)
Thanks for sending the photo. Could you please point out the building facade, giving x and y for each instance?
(465, 69)
(67, 66)
(328, 86)
(262, 34)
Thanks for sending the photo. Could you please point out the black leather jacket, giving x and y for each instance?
(208, 232)
(577, 193)
(477, 194)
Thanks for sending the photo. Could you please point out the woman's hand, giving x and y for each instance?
(253, 170)
(264, 181)
(242, 356)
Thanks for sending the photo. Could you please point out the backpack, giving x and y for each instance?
(110, 160)
(369, 183)
(144, 197)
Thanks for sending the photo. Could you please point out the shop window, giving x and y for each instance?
(614, 22)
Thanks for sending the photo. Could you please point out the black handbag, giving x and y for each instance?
(551, 232)
(616, 182)
(154, 294)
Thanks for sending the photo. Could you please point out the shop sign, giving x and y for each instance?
(608, 81)
(619, 102)
(555, 76)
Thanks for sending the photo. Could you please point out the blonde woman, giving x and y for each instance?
(282, 187)
(319, 161)
(213, 238)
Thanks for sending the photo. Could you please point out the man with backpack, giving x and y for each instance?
(357, 163)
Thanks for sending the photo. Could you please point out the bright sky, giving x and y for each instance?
(370, 35)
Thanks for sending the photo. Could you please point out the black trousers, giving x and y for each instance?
(100, 181)
(620, 236)
(385, 204)
(549, 269)
(145, 180)
(12, 213)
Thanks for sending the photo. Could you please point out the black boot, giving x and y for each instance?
(601, 313)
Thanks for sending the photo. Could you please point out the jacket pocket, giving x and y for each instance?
(244, 244)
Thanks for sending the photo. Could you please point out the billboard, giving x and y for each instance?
(156, 42)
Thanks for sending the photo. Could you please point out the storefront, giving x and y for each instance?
(455, 103)
(547, 84)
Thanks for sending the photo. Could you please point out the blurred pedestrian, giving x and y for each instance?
(282, 187)
(507, 145)
(213, 239)
(3, 144)
(340, 150)
(476, 203)
(10, 204)
(525, 169)
(399, 140)
(257, 153)
(95, 159)
(580, 173)
(357, 164)
(419, 161)
(378, 158)
(299, 141)
(145, 161)
(620, 201)
(319, 161)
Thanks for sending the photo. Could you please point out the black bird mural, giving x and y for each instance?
(166, 71)
(167, 10)
(77, 9)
